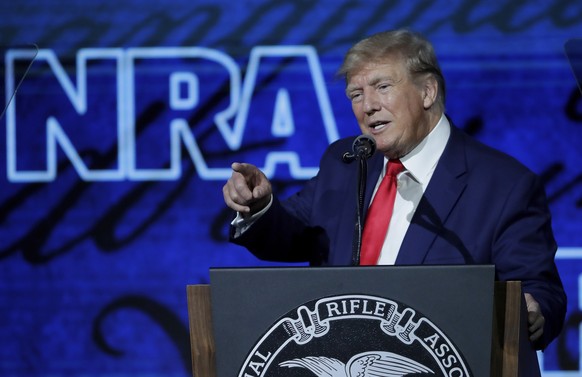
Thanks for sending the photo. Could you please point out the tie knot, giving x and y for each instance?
(394, 168)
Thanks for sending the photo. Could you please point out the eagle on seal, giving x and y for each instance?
(366, 364)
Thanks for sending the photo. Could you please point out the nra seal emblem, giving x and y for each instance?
(354, 336)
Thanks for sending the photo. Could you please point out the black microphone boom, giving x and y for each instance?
(363, 147)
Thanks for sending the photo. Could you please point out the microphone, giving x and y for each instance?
(363, 147)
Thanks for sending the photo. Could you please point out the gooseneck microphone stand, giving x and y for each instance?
(363, 148)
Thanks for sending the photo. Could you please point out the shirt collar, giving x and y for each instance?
(421, 161)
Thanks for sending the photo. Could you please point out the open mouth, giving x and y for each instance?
(379, 125)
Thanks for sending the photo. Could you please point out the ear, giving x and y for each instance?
(430, 89)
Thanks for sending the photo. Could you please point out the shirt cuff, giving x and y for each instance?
(242, 224)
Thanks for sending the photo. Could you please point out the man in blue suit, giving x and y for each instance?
(457, 201)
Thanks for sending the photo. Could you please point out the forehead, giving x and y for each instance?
(389, 68)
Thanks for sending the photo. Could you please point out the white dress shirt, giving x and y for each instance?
(419, 166)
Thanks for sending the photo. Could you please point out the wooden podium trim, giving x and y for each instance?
(511, 353)
(201, 335)
(506, 314)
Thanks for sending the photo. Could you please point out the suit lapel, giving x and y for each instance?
(445, 187)
(375, 165)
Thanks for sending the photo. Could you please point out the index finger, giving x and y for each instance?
(243, 168)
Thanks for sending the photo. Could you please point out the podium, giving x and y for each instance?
(471, 326)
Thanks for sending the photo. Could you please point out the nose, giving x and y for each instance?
(371, 103)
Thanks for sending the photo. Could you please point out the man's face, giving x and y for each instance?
(390, 107)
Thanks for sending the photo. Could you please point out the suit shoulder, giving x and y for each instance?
(339, 147)
(343, 144)
(480, 154)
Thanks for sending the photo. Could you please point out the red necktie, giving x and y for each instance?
(379, 214)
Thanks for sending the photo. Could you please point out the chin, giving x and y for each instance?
(387, 152)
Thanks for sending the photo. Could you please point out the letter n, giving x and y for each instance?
(51, 109)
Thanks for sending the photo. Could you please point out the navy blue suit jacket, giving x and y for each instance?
(480, 207)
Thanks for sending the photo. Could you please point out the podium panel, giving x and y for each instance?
(415, 320)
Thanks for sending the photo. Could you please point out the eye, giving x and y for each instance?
(383, 86)
(355, 96)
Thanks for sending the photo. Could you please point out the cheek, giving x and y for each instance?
(358, 113)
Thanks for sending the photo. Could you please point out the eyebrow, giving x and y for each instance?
(377, 79)
(351, 88)
(372, 82)
(380, 78)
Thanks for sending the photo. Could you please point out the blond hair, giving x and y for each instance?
(418, 53)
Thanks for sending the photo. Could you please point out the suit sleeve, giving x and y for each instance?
(299, 228)
(281, 236)
(524, 249)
